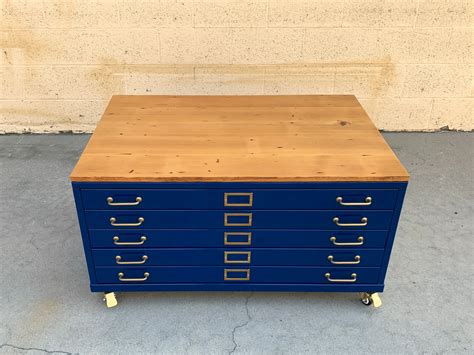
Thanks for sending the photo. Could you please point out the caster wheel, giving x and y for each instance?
(366, 300)
(110, 299)
(371, 299)
(376, 300)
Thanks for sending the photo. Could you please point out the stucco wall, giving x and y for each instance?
(409, 62)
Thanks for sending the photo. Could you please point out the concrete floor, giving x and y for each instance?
(46, 306)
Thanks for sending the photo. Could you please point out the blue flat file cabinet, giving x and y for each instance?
(221, 193)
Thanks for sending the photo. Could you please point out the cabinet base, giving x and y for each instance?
(369, 288)
(368, 298)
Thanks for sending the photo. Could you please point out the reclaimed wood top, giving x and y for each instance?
(237, 138)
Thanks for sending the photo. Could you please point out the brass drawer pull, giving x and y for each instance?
(143, 261)
(355, 262)
(246, 261)
(123, 279)
(353, 279)
(227, 234)
(228, 194)
(230, 224)
(228, 278)
(363, 222)
(113, 222)
(110, 202)
(360, 241)
(117, 241)
(368, 202)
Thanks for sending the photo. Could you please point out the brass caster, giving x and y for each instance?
(371, 299)
(110, 299)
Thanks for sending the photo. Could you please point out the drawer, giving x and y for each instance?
(219, 274)
(337, 220)
(220, 256)
(208, 199)
(215, 238)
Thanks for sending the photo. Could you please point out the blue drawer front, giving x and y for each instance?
(257, 219)
(220, 256)
(215, 238)
(217, 274)
(208, 199)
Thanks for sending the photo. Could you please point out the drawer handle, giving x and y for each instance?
(230, 224)
(355, 262)
(123, 279)
(368, 202)
(117, 241)
(110, 202)
(363, 222)
(353, 279)
(113, 222)
(247, 234)
(143, 261)
(228, 194)
(360, 241)
(246, 261)
(228, 278)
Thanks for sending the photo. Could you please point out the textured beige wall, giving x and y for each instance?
(409, 62)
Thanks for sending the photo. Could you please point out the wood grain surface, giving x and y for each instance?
(237, 138)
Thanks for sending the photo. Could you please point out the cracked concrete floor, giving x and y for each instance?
(46, 306)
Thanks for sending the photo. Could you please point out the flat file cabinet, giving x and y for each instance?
(238, 193)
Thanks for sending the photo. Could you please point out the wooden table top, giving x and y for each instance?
(237, 138)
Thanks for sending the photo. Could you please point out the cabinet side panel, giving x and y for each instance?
(392, 232)
(84, 232)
